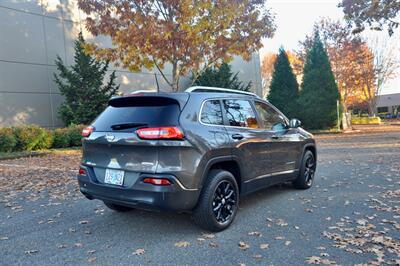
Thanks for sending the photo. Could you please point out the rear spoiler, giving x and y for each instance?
(150, 99)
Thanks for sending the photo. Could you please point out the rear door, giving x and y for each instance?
(115, 144)
(249, 140)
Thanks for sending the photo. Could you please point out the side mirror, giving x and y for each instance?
(294, 123)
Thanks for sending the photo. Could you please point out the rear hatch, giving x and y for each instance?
(125, 136)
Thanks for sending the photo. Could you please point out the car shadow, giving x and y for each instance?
(142, 224)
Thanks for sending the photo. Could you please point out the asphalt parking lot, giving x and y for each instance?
(350, 216)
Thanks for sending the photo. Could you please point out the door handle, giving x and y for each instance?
(275, 137)
(237, 136)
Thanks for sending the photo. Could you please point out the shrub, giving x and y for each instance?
(74, 135)
(32, 137)
(7, 140)
(61, 138)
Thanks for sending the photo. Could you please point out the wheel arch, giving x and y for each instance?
(309, 147)
(227, 163)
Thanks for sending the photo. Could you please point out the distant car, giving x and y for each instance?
(196, 151)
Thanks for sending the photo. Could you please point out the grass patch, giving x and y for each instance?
(21, 154)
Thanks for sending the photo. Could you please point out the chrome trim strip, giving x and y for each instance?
(183, 187)
(215, 89)
(272, 174)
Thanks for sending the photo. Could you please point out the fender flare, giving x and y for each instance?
(220, 159)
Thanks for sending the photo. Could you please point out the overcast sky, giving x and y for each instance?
(295, 19)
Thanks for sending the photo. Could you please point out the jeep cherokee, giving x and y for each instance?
(197, 151)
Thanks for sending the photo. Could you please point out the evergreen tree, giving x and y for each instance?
(221, 77)
(284, 90)
(319, 91)
(81, 84)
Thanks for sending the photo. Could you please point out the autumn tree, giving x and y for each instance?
(319, 92)
(375, 14)
(188, 35)
(284, 90)
(222, 76)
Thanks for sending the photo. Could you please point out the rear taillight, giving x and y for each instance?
(87, 131)
(157, 181)
(160, 133)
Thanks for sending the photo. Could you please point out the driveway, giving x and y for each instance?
(350, 216)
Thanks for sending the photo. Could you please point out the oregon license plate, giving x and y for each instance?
(114, 177)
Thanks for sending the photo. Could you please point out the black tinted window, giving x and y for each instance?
(212, 113)
(272, 120)
(151, 116)
(240, 113)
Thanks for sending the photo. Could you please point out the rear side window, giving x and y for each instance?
(240, 113)
(138, 115)
(211, 113)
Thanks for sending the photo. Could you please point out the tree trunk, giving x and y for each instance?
(175, 77)
(371, 108)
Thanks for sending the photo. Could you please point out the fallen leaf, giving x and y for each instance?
(213, 244)
(30, 252)
(4, 238)
(207, 236)
(257, 256)
(255, 233)
(243, 245)
(264, 246)
(182, 244)
(83, 222)
(139, 251)
(287, 243)
(92, 260)
(78, 245)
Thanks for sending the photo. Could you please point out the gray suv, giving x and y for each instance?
(197, 151)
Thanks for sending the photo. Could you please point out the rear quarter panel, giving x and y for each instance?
(188, 159)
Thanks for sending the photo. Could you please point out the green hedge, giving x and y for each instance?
(32, 137)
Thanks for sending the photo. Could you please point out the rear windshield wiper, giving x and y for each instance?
(127, 125)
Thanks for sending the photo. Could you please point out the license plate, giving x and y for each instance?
(114, 177)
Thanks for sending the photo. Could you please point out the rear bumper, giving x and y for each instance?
(174, 197)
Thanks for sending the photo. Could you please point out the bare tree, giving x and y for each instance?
(267, 69)
(386, 62)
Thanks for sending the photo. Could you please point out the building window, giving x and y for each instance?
(383, 109)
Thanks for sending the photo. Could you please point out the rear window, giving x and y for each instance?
(144, 115)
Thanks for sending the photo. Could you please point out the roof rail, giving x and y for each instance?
(215, 89)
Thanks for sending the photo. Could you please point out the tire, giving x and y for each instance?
(305, 179)
(116, 207)
(220, 190)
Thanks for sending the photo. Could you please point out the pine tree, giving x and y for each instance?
(222, 77)
(319, 92)
(81, 84)
(284, 90)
